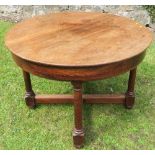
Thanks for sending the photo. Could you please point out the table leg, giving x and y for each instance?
(30, 95)
(130, 96)
(78, 133)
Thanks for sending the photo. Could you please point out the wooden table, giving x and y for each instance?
(78, 47)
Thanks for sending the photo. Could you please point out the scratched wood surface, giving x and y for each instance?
(77, 39)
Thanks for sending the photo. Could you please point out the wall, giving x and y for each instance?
(18, 13)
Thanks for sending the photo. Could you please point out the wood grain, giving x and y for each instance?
(87, 98)
(79, 73)
(78, 39)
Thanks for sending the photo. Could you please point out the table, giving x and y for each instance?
(78, 47)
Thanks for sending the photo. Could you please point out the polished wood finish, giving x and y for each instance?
(130, 96)
(81, 73)
(78, 39)
(78, 47)
(104, 98)
(29, 95)
(78, 132)
(56, 99)
(87, 98)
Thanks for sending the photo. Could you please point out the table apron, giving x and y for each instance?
(80, 73)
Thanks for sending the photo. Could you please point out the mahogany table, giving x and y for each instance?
(78, 47)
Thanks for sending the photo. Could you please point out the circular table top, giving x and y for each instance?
(77, 39)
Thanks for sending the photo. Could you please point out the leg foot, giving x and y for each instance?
(129, 100)
(78, 133)
(30, 100)
(130, 97)
(30, 95)
(78, 138)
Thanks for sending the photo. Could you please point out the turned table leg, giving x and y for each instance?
(78, 133)
(30, 95)
(130, 96)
